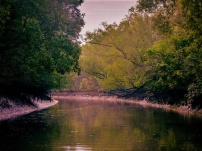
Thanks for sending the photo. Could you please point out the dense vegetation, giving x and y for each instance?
(38, 47)
(156, 51)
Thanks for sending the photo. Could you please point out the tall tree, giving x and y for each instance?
(38, 44)
(178, 67)
(116, 54)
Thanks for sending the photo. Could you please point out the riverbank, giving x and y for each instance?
(15, 110)
(93, 96)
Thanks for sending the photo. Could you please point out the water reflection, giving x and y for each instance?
(87, 126)
(76, 148)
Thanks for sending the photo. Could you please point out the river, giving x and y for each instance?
(84, 125)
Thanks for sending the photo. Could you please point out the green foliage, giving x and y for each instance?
(37, 46)
(156, 50)
(67, 55)
(175, 63)
(193, 16)
(115, 55)
(168, 70)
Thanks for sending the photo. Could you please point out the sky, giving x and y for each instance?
(108, 0)
(98, 11)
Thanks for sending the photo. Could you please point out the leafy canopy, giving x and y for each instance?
(155, 50)
(38, 45)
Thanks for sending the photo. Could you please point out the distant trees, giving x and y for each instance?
(38, 45)
(115, 55)
(155, 49)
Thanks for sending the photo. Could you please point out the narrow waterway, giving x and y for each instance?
(82, 125)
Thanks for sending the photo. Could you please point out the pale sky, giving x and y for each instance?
(98, 11)
(107, 0)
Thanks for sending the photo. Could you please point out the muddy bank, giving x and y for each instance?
(16, 111)
(101, 96)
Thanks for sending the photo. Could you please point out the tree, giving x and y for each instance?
(156, 49)
(115, 55)
(168, 77)
(37, 46)
(177, 71)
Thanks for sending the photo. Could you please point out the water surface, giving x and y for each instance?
(74, 125)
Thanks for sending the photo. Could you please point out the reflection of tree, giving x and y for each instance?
(101, 125)
(165, 130)
(123, 127)
(31, 132)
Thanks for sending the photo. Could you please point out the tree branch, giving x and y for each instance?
(100, 44)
